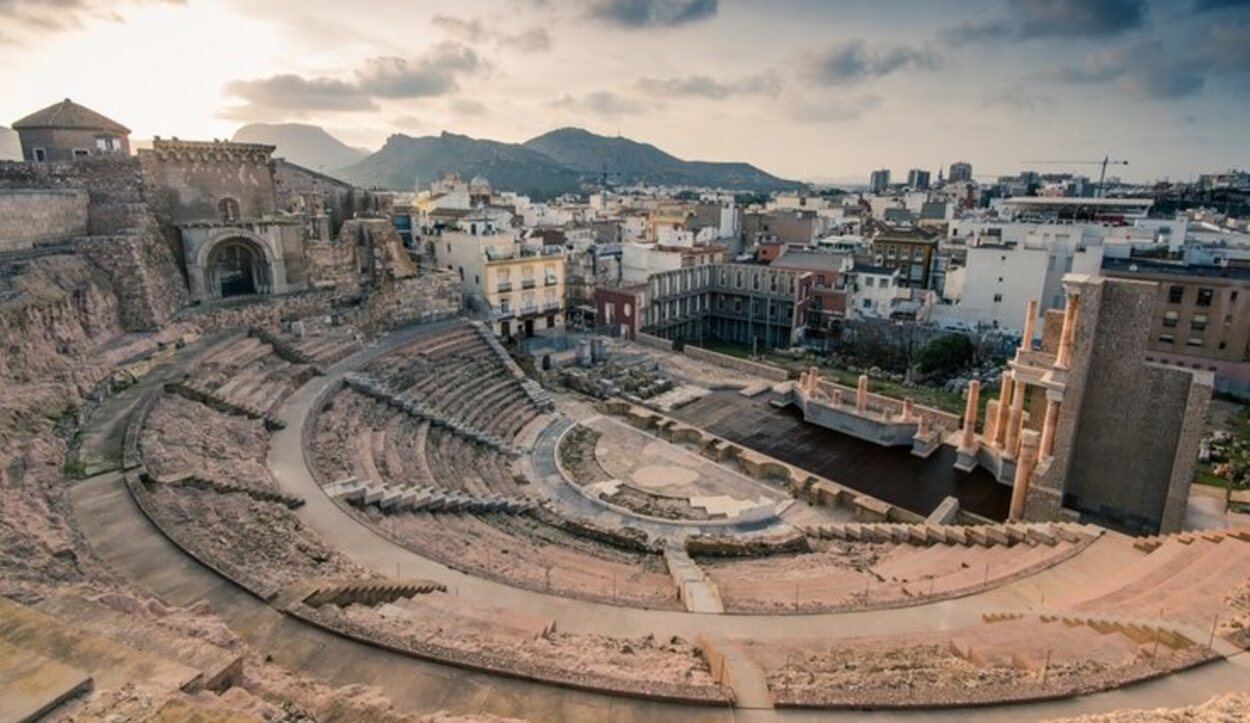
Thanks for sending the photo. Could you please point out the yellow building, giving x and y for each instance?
(525, 288)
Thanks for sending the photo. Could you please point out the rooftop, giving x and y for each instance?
(1150, 267)
(810, 261)
(69, 115)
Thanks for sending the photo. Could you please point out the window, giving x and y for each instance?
(1176, 294)
(867, 303)
(1205, 296)
(1169, 319)
(1232, 296)
(1199, 323)
(1223, 345)
(81, 153)
(998, 298)
(1194, 341)
(1166, 339)
(869, 281)
(41, 155)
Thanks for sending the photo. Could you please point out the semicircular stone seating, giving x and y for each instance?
(422, 474)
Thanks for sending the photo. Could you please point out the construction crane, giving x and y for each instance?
(1102, 175)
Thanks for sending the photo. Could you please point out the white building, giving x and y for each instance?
(874, 292)
(1000, 278)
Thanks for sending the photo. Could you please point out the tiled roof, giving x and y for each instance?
(68, 114)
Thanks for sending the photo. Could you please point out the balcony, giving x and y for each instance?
(529, 310)
(527, 283)
(502, 312)
(551, 306)
(504, 286)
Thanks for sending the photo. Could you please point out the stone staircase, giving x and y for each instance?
(1154, 542)
(1142, 632)
(1006, 535)
(533, 389)
(202, 394)
(419, 498)
(696, 590)
(64, 645)
(283, 350)
(370, 593)
(191, 479)
(381, 391)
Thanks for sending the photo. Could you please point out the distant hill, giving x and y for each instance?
(627, 161)
(405, 160)
(305, 145)
(10, 148)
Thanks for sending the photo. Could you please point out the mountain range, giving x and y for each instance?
(549, 165)
(307, 145)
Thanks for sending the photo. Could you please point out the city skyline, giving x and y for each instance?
(806, 90)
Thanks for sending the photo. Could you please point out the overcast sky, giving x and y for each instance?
(811, 89)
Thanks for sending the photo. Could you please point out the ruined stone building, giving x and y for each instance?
(203, 225)
(1085, 427)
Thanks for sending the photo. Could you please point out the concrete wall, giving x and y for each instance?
(29, 217)
(766, 371)
(846, 420)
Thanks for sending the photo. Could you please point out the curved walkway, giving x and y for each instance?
(123, 537)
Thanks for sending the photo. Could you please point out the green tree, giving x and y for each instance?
(945, 353)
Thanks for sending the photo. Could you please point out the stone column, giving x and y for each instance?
(970, 415)
(1066, 339)
(1030, 323)
(1004, 408)
(1015, 420)
(861, 394)
(1029, 441)
(909, 409)
(991, 421)
(1047, 446)
(836, 398)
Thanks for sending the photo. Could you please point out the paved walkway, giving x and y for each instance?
(125, 540)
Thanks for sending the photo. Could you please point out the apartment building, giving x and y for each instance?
(1200, 319)
(911, 251)
(524, 287)
(521, 284)
(744, 303)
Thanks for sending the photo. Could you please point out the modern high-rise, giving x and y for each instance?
(880, 180)
(960, 171)
(918, 180)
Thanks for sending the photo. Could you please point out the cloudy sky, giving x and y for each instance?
(812, 89)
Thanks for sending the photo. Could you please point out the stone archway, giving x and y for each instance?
(237, 266)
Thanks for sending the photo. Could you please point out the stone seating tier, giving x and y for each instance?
(411, 498)
(379, 390)
(1007, 535)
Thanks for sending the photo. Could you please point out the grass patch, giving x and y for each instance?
(926, 396)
